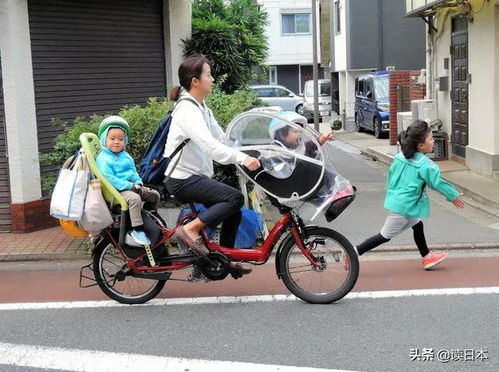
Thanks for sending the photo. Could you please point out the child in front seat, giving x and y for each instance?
(119, 169)
(290, 137)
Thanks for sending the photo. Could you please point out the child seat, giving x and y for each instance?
(91, 148)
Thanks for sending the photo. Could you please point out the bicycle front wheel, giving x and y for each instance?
(109, 271)
(334, 276)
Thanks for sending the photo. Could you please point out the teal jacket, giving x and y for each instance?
(407, 180)
(119, 169)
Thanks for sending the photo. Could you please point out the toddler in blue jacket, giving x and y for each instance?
(119, 169)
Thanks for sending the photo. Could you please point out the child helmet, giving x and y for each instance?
(114, 121)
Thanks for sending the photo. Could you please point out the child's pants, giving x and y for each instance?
(149, 196)
(396, 224)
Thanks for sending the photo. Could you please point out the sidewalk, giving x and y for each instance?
(54, 244)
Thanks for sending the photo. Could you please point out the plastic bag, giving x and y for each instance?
(96, 215)
(68, 197)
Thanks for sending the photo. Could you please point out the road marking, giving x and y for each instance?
(88, 360)
(245, 299)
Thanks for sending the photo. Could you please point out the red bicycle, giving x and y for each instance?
(311, 260)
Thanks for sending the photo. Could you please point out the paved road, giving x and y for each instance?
(358, 333)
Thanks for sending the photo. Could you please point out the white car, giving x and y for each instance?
(276, 95)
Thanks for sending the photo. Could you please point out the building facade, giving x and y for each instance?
(463, 76)
(62, 59)
(289, 36)
(371, 36)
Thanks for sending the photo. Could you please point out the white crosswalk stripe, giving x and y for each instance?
(101, 361)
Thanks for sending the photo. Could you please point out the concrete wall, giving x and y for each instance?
(365, 44)
(380, 36)
(403, 38)
(177, 23)
(340, 40)
(19, 102)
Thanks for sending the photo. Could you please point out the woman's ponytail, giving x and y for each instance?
(175, 93)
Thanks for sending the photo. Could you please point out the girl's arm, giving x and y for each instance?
(431, 175)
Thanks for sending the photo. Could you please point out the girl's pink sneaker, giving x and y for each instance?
(434, 258)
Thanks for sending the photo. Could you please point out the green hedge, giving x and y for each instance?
(143, 121)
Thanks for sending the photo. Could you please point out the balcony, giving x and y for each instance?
(425, 8)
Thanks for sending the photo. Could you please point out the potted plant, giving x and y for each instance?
(336, 124)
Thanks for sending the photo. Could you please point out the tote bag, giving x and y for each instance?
(68, 197)
(96, 215)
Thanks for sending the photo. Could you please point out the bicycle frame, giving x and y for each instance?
(257, 255)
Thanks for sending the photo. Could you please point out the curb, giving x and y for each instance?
(19, 257)
(382, 249)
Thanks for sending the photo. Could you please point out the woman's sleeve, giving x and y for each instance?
(194, 127)
(431, 175)
(219, 134)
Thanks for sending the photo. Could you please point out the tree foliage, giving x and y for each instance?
(232, 35)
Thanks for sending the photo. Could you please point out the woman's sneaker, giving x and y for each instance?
(433, 258)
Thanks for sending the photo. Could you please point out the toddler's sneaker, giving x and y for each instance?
(433, 258)
(140, 237)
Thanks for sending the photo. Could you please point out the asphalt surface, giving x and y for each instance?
(355, 334)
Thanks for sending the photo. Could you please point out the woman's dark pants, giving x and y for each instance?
(223, 203)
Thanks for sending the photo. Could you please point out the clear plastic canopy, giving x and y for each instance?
(295, 167)
(291, 158)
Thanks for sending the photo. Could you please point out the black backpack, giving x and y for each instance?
(153, 165)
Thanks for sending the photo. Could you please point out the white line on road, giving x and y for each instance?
(88, 360)
(245, 299)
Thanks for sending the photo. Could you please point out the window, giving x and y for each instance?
(337, 13)
(369, 88)
(281, 92)
(298, 23)
(360, 87)
(381, 87)
(273, 75)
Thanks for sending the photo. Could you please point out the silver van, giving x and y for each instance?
(324, 98)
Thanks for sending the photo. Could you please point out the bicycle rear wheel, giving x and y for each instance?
(337, 272)
(109, 273)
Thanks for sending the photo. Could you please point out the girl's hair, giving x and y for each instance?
(192, 67)
(410, 138)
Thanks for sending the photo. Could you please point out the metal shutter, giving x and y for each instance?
(5, 220)
(93, 56)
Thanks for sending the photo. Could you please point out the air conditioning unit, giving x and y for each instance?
(424, 109)
(404, 119)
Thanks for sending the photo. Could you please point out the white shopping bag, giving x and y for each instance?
(68, 197)
(96, 215)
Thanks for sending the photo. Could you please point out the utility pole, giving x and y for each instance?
(315, 68)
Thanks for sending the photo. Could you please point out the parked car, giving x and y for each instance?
(288, 115)
(277, 95)
(324, 98)
(372, 103)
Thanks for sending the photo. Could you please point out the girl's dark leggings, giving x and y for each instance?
(378, 239)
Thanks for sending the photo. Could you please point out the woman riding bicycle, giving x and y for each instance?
(190, 172)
